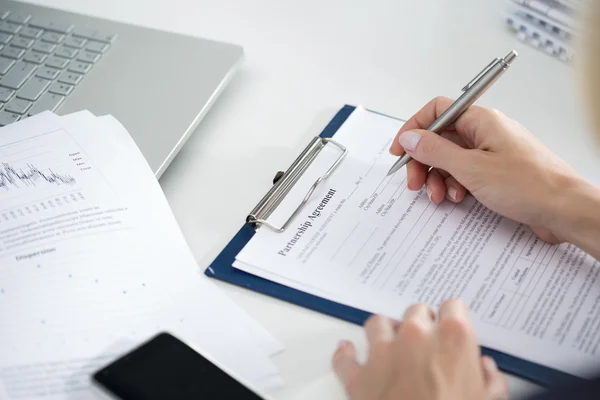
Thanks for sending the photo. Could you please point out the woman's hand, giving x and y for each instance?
(496, 159)
(421, 358)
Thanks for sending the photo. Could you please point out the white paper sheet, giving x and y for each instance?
(93, 263)
(366, 241)
(113, 137)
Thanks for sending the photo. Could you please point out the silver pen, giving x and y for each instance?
(472, 92)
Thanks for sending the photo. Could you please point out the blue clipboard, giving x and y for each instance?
(221, 268)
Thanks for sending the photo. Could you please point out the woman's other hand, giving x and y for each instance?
(421, 358)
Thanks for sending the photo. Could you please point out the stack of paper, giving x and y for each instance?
(92, 263)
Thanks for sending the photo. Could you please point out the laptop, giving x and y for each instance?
(159, 85)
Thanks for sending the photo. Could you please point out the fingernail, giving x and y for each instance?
(429, 193)
(452, 192)
(409, 140)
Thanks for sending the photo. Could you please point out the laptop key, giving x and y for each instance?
(16, 77)
(4, 14)
(30, 32)
(66, 52)
(5, 64)
(5, 94)
(44, 47)
(60, 88)
(9, 27)
(35, 57)
(88, 57)
(19, 18)
(47, 73)
(60, 27)
(75, 42)
(69, 77)
(52, 37)
(96, 47)
(48, 102)
(57, 62)
(22, 43)
(94, 35)
(7, 118)
(17, 106)
(5, 38)
(12, 52)
(33, 89)
(79, 67)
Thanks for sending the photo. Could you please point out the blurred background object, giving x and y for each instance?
(549, 25)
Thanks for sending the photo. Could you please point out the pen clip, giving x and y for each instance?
(485, 70)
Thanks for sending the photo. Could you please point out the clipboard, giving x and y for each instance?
(221, 268)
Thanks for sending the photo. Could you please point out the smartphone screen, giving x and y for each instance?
(167, 368)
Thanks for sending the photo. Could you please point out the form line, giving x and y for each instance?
(355, 188)
(398, 188)
(344, 242)
(363, 246)
(407, 236)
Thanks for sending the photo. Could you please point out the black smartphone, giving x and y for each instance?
(166, 368)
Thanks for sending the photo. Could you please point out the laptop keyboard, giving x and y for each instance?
(42, 61)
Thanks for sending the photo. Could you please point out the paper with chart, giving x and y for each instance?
(92, 263)
(365, 240)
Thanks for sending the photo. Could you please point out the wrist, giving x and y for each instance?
(573, 214)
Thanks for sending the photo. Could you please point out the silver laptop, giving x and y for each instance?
(158, 85)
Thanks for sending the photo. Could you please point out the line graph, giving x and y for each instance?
(45, 170)
(12, 177)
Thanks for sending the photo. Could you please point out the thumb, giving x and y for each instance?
(495, 381)
(433, 150)
(345, 365)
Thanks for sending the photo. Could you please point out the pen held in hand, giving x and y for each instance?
(471, 92)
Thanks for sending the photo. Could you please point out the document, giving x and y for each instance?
(149, 189)
(365, 240)
(92, 263)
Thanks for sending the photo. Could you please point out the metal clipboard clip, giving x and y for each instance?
(284, 181)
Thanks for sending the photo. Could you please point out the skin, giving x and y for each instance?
(427, 357)
(421, 358)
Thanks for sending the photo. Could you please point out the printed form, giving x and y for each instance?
(364, 240)
(92, 263)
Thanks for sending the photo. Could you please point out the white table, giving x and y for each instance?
(304, 58)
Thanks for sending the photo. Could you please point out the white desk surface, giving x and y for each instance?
(304, 58)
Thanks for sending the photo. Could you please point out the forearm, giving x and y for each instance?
(577, 217)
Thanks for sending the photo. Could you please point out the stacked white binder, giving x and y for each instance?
(549, 25)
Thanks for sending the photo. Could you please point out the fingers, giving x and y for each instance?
(436, 188)
(448, 187)
(379, 329)
(454, 190)
(416, 175)
(455, 330)
(345, 365)
(436, 151)
(421, 315)
(546, 235)
(467, 125)
(495, 381)
(422, 120)
(454, 309)
(417, 172)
